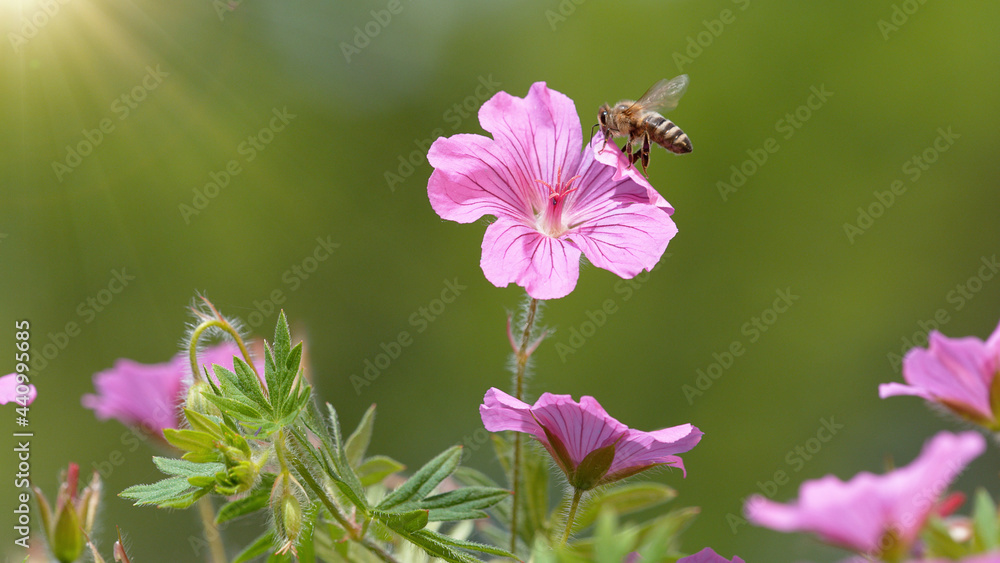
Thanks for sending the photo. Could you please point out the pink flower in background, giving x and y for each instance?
(8, 391)
(873, 514)
(552, 202)
(149, 395)
(707, 555)
(958, 373)
(573, 432)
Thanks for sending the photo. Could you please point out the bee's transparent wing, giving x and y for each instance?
(664, 95)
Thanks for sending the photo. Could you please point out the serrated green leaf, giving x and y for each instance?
(174, 492)
(259, 547)
(425, 479)
(357, 442)
(250, 385)
(238, 410)
(984, 519)
(377, 468)
(182, 468)
(203, 423)
(189, 440)
(256, 500)
(403, 522)
(282, 339)
(622, 499)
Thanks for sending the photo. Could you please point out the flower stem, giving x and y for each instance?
(572, 515)
(522, 362)
(196, 335)
(211, 531)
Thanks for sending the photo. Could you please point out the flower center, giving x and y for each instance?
(550, 220)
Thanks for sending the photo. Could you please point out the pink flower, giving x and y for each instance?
(958, 373)
(590, 446)
(873, 514)
(150, 395)
(707, 555)
(552, 202)
(9, 391)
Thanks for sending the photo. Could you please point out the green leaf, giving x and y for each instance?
(174, 492)
(182, 468)
(377, 468)
(622, 499)
(189, 440)
(428, 541)
(425, 479)
(984, 518)
(250, 385)
(282, 339)
(256, 500)
(403, 522)
(357, 443)
(348, 478)
(462, 504)
(465, 544)
(937, 539)
(259, 547)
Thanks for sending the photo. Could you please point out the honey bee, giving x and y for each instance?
(640, 122)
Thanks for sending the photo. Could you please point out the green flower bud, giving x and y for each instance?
(197, 402)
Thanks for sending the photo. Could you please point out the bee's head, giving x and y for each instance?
(602, 116)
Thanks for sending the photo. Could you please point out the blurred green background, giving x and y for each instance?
(181, 87)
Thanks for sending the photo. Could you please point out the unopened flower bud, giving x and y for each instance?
(197, 402)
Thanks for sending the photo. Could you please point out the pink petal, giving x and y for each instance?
(599, 182)
(139, 394)
(625, 240)
(500, 411)
(473, 177)
(952, 369)
(542, 130)
(8, 390)
(582, 427)
(640, 449)
(708, 555)
(514, 253)
(897, 389)
(857, 513)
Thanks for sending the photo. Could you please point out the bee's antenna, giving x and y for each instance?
(592, 132)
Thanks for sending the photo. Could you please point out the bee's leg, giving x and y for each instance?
(645, 153)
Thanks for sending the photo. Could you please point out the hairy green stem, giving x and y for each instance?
(196, 335)
(522, 362)
(572, 515)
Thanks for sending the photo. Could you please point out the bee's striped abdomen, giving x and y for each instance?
(668, 135)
